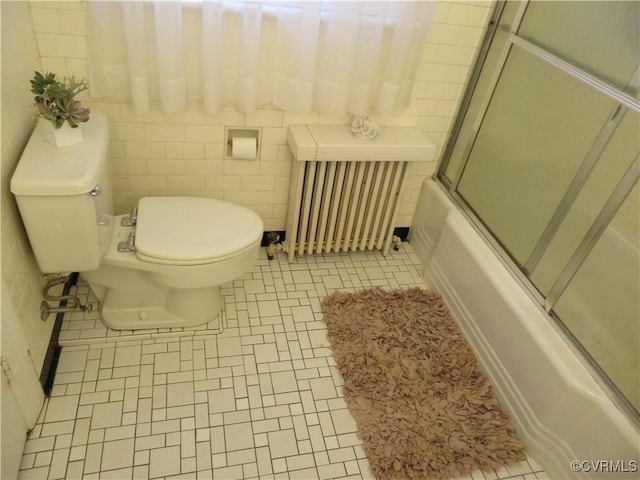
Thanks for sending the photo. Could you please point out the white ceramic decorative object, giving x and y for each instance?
(60, 137)
(364, 127)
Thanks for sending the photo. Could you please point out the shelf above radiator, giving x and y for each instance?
(337, 143)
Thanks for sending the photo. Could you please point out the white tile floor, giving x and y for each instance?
(260, 400)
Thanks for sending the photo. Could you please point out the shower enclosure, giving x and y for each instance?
(544, 160)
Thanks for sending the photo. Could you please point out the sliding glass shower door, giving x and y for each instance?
(544, 157)
(528, 149)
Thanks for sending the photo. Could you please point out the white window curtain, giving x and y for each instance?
(329, 57)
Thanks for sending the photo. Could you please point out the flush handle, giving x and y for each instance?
(97, 190)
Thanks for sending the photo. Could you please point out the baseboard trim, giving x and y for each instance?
(401, 232)
(50, 363)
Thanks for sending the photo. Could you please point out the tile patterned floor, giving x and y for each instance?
(260, 400)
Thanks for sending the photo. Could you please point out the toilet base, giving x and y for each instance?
(178, 309)
(129, 319)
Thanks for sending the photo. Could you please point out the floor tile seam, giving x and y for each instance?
(200, 334)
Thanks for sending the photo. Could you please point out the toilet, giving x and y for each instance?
(160, 266)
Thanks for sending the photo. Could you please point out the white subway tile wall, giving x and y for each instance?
(19, 269)
(158, 154)
(183, 154)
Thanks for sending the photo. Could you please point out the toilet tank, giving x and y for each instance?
(65, 198)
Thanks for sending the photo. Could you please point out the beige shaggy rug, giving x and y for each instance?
(422, 407)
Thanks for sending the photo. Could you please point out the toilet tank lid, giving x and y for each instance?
(45, 170)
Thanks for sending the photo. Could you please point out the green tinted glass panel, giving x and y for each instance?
(615, 160)
(481, 90)
(535, 134)
(601, 37)
(601, 305)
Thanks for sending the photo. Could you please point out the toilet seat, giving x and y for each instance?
(193, 230)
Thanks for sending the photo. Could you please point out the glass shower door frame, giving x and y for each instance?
(624, 101)
(486, 74)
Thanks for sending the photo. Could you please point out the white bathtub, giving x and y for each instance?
(561, 412)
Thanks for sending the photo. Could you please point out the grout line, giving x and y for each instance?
(224, 372)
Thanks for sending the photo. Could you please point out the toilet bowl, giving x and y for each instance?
(163, 270)
(185, 248)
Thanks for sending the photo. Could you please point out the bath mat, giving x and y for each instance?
(422, 407)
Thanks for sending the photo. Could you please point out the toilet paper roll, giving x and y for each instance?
(244, 148)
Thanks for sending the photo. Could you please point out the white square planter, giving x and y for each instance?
(60, 137)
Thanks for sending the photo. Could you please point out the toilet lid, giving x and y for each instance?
(193, 230)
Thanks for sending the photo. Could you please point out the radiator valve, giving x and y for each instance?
(272, 238)
(395, 241)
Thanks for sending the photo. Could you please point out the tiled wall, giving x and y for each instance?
(162, 155)
(157, 154)
(19, 269)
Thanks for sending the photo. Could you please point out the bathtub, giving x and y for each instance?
(560, 410)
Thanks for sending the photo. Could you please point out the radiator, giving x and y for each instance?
(345, 206)
(345, 190)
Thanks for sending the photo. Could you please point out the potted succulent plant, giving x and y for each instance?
(59, 113)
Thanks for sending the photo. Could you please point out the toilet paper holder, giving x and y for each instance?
(240, 132)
